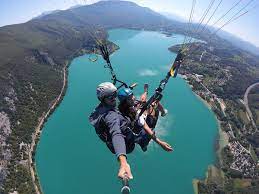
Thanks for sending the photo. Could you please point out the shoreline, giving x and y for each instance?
(222, 140)
(38, 130)
(195, 186)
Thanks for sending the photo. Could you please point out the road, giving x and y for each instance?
(246, 102)
(38, 132)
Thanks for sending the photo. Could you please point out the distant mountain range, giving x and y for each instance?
(172, 16)
(236, 41)
(46, 13)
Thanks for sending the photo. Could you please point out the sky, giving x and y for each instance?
(19, 11)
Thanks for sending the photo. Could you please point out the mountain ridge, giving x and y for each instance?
(230, 37)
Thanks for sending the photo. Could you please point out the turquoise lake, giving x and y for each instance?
(70, 158)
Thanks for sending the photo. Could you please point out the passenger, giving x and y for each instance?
(143, 128)
(116, 129)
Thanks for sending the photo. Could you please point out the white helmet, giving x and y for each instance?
(105, 89)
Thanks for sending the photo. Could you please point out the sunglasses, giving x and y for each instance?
(111, 97)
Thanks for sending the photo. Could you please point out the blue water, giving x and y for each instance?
(71, 159)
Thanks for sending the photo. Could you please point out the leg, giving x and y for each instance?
(151, 119)
(143, 97)
(161, 109)
(143, 140)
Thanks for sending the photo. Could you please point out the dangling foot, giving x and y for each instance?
(146, 87)
(164, 112)
(143, 145)
(144, 148)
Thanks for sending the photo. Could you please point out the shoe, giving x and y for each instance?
(146, 87)
(164, 113)
(144, 148)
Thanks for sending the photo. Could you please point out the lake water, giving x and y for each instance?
(70, 158)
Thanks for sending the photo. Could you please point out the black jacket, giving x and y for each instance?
(120, 138)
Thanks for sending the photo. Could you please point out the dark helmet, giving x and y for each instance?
(124, 93)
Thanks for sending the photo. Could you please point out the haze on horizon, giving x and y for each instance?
(20, 11)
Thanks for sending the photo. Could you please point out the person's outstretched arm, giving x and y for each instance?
(124, 168)
(163, 144)
(113, 123)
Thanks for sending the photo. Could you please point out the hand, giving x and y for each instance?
(125, 171)
(166, 146)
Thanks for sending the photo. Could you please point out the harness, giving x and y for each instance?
(102, 131)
